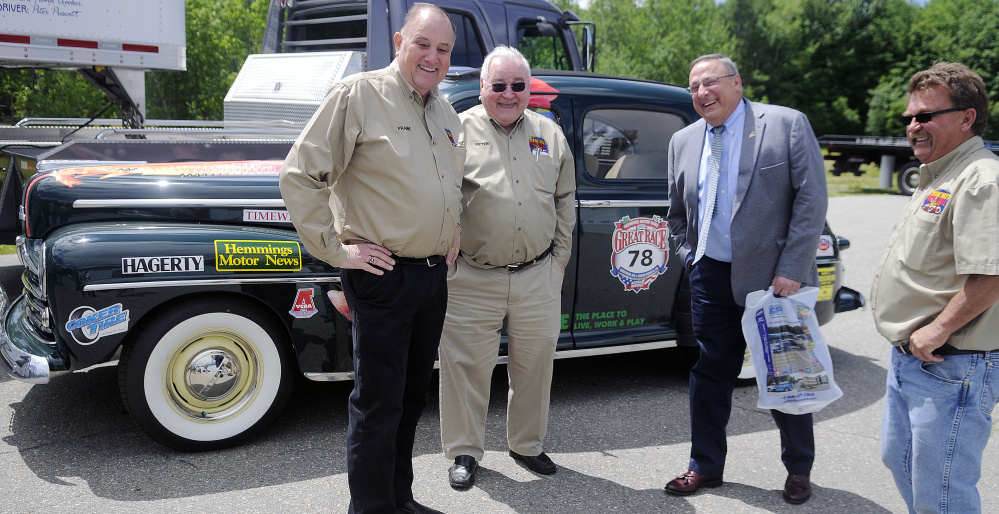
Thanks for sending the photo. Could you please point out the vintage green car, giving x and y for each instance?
(192, 275)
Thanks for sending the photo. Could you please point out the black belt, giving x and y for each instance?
(946, 349)
(431, 261)
(521, 265)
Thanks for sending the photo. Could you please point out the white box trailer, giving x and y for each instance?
(141, 34)
(111, 42)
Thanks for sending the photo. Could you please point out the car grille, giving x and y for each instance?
(37, 319)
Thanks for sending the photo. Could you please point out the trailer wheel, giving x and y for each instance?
(908, 178)
(206, 375)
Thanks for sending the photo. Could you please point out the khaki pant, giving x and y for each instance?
(478, 301)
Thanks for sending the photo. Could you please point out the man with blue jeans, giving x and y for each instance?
(935, 298)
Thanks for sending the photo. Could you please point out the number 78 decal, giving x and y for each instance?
(641, 249)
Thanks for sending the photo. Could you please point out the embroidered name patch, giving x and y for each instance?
(538, 145)
(936, 201)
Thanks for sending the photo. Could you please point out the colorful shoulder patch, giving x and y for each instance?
(936, 201)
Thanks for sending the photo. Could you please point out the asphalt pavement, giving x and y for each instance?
(617, 430)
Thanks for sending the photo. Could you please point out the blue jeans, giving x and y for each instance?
(937, 421)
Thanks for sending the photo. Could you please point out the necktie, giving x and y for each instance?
(714, 165)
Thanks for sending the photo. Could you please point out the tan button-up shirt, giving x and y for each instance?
(950, 230)
(374, 164)
(519, 190)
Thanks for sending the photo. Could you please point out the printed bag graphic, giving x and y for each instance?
(793, 368)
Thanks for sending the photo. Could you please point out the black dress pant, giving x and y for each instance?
(397, 321)
(717, 320)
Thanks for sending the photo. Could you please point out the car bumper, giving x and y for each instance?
(22, 355)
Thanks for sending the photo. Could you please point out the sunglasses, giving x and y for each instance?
(517, 87)
(925, 117)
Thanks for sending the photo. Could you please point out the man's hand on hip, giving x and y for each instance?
(368, 257)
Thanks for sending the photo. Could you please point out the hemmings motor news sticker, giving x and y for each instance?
(304, 307)
(641, 248)
(87, 324)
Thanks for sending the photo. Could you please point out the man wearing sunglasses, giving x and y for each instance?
(518, 196)
(747, 192)
(934, 298)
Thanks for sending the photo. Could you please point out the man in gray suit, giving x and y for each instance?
(747, 193)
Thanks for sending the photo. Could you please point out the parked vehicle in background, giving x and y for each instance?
(891, 154)
(194, 271)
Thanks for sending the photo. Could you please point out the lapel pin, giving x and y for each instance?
(752, 134)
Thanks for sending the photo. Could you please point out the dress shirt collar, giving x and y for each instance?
(407, 87)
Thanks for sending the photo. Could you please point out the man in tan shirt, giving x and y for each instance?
(518, 197)
(935, 298)
(373, 186)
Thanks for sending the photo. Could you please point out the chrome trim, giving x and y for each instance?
(502, 359)
(19, 364)
(22, 365)
(611, 350)
(330, 377)
(206, 282)
(179, 202)
(34, 291)
(624, 203)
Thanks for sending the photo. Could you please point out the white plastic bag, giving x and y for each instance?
(793, 369)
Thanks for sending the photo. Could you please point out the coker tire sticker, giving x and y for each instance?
(87, 324)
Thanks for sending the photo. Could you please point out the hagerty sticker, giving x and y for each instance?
(87, 324)
(132, 265)
(238, 255)
(641, 248)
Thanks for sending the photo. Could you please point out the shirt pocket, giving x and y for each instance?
(922, 241)
(458, 153)
(545, 175)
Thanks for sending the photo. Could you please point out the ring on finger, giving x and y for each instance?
(371, 260)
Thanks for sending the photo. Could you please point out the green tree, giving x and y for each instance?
(657, 39)
(220, 34)
(819, 56)
(944, 30)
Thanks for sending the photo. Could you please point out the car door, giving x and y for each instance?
(628, 273)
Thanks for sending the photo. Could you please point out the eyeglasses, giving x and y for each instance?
(925, 117)
(517, 87)
(711, 82)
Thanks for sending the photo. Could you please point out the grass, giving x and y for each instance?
(7, 249)
(850, 184)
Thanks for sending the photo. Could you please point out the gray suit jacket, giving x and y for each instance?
(780, 203)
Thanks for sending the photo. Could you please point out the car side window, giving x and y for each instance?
(467, 43)
(628, 143)
(543, 46)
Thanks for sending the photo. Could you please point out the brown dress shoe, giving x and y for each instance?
(689, 482)
(797, 489)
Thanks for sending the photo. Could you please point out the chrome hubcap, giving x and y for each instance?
(212, 374)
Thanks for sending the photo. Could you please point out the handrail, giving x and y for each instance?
(75, 122)
(190, 131)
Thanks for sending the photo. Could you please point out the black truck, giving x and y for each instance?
(190, 273)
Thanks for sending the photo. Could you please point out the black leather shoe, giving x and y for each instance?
(540, 464)
(462, 474)
(797, 489)
(411, 507)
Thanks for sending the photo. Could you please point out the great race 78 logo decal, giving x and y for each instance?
(641, 248)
